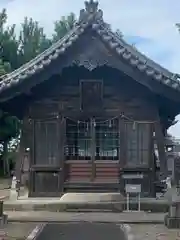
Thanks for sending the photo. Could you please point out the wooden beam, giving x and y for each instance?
(160, 141)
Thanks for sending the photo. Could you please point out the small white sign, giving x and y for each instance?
(133, 188)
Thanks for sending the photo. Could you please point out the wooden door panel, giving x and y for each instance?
(46, 169)
(46, 143)
(45, 184)
(138, 137)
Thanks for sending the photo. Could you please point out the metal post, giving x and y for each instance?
(127, 201)
(139, 202)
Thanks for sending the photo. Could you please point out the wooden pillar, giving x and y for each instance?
(21, 150)
(93, 149)
(160, 141)
(31, 134)
(122, 143)
(122, 153)
(62, 139)
(152, 163)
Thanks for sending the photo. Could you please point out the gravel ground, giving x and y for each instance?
(19, 231)
(151, 232)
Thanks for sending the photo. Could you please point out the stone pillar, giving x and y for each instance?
(172, 219)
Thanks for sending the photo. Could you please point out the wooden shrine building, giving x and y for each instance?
(92, 108)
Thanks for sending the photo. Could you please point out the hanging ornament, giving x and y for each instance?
(94, 123)
(110, 124)
(122, 115)
(134, 126)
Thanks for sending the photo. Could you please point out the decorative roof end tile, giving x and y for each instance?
(167, 81)
(91, 6)
(120, 50)
(91, 9)
(106, 38)
(126, 55)
(149, 72)
(113, 44)
(95, 26)
(134, 61)
(141, 66)
(158, 76)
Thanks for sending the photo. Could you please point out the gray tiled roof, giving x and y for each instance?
(91, 16)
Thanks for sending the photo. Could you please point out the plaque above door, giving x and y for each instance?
(91, 95)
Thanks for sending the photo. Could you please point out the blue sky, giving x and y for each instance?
(149, 24)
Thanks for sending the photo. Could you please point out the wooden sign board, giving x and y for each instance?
(91, 95)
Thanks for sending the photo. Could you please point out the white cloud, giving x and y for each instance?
(150, 19)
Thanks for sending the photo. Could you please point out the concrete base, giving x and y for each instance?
(3, 220)
(56, 205)
(91, 197)
(173, 223)
(13, 195)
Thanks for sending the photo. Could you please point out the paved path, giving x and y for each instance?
(132, 217)
(15, 231)
(113, 221)
(82, 231)
(154, 232)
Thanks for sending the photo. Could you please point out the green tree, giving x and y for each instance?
(4, 67)
(9, 126)
(8, 42)
(62, 26)
(32, 40)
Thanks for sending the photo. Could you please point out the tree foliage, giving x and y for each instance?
(8, 42)
(16, 50)
(9, 127)
(62, 26)
(32, 40)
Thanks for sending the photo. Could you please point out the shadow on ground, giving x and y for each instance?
(82, 231)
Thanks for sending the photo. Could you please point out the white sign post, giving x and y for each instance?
(13, 191)
(133, 189)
